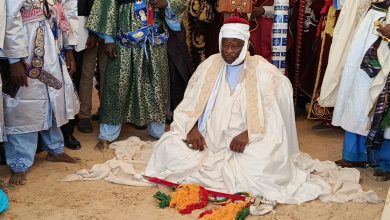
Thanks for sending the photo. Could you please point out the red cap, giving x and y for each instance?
(235, 20)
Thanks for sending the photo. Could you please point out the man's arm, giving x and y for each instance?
(240, 142)
(195, 139)
(15, 45)
(70, 10)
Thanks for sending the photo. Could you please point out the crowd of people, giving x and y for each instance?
(334, 65)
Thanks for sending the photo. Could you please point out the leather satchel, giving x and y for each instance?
(231, 6)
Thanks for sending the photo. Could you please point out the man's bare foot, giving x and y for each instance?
(61, 158)
(102, 145)
(18, 179)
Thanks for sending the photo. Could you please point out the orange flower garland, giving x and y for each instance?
(228, 212)
(189, 197)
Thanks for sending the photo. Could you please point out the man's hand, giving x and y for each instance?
(91, 41)
(196, 139)
(159, 3)
(17, 74)
(385, 31)
(257, 12)
(110, 50)
(239, 142)
(70, 62)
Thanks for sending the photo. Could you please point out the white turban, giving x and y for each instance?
(238, 31)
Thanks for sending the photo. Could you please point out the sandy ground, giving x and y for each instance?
(44, 197)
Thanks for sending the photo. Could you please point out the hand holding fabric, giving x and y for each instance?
(110, 50)
(239, 142)
(17, 74)
(257, 12)
(196, 139)
(91, 41)
(159, 3)
(385, 30)
(70, 62)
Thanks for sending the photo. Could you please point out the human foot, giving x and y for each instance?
(381, 175)
(61, 158)
(18, 179)
(102, 145)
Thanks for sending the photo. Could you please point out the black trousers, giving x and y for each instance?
(68, 129)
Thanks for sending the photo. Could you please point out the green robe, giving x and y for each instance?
(135, 87)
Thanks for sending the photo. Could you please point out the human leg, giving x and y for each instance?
(69, 140)
(53, 143)
(156, 129)
(354, 151)
(86, 82)
(20, 151)
(108, 133)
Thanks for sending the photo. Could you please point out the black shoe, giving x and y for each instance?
(84, 125)
(72, 143)
(96, 116)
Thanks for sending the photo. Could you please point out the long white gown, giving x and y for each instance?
(271, 165)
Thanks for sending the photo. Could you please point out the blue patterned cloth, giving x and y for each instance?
(279, 34)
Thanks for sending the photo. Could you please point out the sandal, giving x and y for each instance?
(343, 163)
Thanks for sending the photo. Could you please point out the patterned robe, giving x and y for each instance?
(328, 23)
(136, 83)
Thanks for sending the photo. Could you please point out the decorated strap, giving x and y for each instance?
(35, 70)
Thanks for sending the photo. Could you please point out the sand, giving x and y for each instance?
(44, 197)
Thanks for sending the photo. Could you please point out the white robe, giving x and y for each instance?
(354, 103)
(2, 33)
(271, 165)
(29, 110)
(2, 22)
(350, 16)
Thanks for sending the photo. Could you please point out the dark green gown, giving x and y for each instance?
(135, 87)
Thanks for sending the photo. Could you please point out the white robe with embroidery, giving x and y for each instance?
(271, 165)
(358, 92)
(32, 108)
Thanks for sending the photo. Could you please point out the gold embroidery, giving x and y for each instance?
(209, 82)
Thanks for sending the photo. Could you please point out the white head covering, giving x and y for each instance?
(238, 30)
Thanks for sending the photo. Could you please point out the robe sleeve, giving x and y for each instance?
(284, 99)
(268, 11)
(103, 17)
(2, 22)
(15, 45)
(70, 10)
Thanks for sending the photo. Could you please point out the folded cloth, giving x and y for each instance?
(131, 157)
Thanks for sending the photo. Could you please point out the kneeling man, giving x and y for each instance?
(235, 129)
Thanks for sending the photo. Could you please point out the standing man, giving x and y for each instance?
(358, 84)
(261, 22)
(85, 53)
(88, 53)
(135, 87)
(40, 91)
